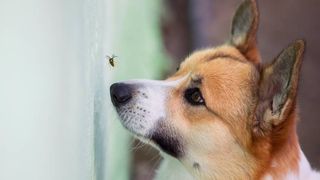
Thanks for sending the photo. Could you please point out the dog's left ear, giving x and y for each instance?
(244, 30)
(278, 88)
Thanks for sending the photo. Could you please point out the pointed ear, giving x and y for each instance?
(278, 88)
(244, 30)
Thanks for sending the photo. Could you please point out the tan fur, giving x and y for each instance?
(245, 127)
(221, 132)
(220, 138)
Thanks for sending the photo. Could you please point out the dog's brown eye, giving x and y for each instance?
(194, 96)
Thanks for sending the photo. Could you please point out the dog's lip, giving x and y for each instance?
(166, 139)
(125, 125)
(157, 137)
(149, 139)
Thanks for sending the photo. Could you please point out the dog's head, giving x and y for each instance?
(219, 107)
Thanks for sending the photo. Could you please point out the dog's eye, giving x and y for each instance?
(194, 96)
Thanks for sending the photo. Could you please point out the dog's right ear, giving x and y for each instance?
(244, 30)
(278, 89)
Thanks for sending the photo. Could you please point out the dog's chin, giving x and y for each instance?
(168, 141)
(155, 132)
(159, 136)
(133, 124)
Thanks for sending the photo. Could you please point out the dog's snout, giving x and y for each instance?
(120, 94)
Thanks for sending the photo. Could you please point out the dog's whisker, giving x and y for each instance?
(139, 146)
(157, 159)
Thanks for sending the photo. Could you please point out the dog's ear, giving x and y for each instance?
(244, 30)
(278, 88)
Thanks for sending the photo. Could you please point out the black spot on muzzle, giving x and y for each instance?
(168, 140)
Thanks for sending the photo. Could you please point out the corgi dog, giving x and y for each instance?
(223, 114)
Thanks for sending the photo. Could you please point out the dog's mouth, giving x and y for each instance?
(141, 111)
(135, 118)
(168, 141)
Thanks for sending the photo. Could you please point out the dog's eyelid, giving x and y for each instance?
(196, 80)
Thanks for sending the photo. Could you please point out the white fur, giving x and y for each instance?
(305, 171)
(152, 98)
(172, 169)
(148, 105)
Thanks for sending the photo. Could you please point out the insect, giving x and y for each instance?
(111, 60)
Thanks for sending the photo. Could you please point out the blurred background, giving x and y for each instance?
(56, 119)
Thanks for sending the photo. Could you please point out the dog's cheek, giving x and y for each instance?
(168, 139)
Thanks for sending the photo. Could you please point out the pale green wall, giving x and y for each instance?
(136, 40)
(56, 119)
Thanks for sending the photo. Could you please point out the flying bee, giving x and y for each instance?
(111, 60)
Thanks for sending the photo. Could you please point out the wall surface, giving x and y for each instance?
(46, 108)
(56, 119)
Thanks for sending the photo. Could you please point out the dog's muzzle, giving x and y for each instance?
(141, 108)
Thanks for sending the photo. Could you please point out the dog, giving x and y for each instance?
(223, 114)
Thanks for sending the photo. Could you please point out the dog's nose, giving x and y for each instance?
(120, 94)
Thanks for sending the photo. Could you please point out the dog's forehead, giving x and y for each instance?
(210, 54)
(223, 60)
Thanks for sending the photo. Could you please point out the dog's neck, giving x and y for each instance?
(286, 161)
(285, 150)
(302, 171)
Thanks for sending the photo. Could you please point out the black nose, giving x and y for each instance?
(120, 94)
